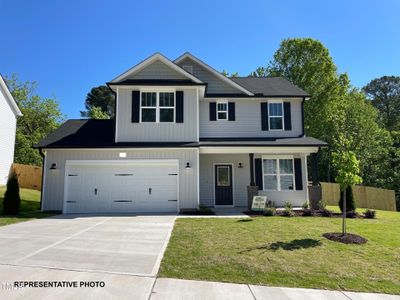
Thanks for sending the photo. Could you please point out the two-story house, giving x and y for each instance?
(184, 136)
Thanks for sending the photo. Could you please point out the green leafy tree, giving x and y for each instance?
(384, 92)
(40, 117)
(99, 98)
(12, 199)
(335, 107)
(226, 74)
(97, 113)
(259, 72)
(347, 167)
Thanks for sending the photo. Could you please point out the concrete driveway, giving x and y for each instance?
(123, 251)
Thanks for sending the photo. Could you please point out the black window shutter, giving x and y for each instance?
(288, 115)
(297, 173)
(264, 116)
(179, 107)
(135, 106)
(231, 111)
(258, 171)
(213, 111)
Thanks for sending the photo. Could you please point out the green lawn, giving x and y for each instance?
(280, 251)
(30, 207)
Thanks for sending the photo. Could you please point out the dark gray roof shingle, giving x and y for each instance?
(270, 86)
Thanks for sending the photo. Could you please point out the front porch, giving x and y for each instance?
(225, 178)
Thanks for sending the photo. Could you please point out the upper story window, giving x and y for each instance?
(278, 174)
(222, 110)
(275, 117)
(157, 107)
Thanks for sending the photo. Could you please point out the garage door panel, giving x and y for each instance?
(122, 188)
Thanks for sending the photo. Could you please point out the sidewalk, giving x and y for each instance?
(190, 289)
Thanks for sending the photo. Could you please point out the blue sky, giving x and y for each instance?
(68, 47)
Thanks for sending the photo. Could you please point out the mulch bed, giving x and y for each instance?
(299, 213)
(348, 238)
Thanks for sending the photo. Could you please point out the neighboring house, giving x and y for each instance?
(9, 112)
(184, 136)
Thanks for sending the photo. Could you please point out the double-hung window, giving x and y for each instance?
(275, 115)
(278, 174)
(157, 107)
(222, 110)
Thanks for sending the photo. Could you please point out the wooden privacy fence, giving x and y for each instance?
(29, 177)
(364, 196)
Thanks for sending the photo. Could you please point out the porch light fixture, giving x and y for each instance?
(240, 166)
(53, 166)
(188, 166)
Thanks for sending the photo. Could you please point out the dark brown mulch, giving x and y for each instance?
(348, 238)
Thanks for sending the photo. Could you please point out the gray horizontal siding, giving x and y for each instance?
(241, 177)
(214, 84)
(157, 70)
(156, 132)
(248, 120)
(54, 179)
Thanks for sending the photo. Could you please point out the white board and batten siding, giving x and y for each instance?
(55, 180)
(159, 132)
(8, 123)
(247, 120)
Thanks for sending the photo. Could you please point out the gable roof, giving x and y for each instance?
(9, 98)
(213, 71)
(270, 86)
(150, 60)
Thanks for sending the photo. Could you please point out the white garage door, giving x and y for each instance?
(140, 186)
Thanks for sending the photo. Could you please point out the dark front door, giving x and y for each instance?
(223, 185)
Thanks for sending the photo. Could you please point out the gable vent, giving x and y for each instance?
(188, 69)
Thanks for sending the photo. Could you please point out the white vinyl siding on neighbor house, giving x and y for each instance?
(247, 120)
(158, 70)
(53, 190)
(127, 131)
(214, 84)
(8, 124)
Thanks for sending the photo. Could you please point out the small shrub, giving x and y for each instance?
(307, 212)
(305, 205)
(287, 212)
(205, 210)
(350, 204)
(326, 213)
(12, 199)
(321, 205)
(269, 212)
(369, 214)
(351, 214)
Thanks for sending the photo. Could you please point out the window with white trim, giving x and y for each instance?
(222, 110)
(157, 107)
(275, 115)
(278, 174)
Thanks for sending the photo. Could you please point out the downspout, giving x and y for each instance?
(43, 166)
(302, 116)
